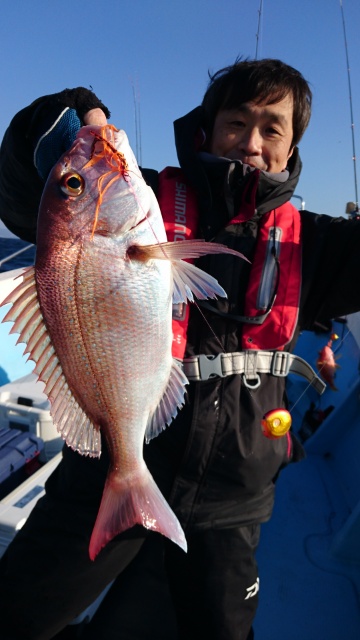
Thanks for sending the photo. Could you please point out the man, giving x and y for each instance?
(240, 165)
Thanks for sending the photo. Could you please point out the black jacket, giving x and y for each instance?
(225, 467)
(213, 463)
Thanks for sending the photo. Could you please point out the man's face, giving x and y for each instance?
(259, 135)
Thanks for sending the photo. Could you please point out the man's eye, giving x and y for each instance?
(272, 131)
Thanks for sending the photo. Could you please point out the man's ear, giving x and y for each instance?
(291, 152)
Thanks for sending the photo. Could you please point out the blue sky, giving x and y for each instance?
(162, 50)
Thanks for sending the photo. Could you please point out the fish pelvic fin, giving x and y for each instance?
(69, 418)
(170, 403)
(126, 503)
(188, 279)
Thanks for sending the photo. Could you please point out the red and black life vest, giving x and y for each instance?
(178, 205)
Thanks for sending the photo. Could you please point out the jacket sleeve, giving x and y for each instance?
(331, 268)
(34, 141)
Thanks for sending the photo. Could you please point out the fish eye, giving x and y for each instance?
(72, 184)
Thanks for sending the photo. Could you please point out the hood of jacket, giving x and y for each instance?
(216, 179)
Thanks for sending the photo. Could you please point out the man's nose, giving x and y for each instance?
(251, 141)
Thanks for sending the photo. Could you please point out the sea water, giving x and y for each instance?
(13, 364)
(10, 246)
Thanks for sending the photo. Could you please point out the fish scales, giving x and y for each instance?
(104, 279)
(97, 350)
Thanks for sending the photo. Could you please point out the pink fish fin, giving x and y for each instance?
(72, 423)
(129, 502)
(170, 403)
(188, 279)
(20, 295)
(186, 249)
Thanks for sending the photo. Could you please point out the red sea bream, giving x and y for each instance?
(95, 314)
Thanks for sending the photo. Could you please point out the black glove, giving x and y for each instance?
(55, 141)
(34, 141)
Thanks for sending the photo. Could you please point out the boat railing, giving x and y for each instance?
(302, 206)
(15, 254)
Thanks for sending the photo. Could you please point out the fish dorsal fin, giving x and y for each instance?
(170, 403)
(71, 421)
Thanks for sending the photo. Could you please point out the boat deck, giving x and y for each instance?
(309, 552)
(305, 592)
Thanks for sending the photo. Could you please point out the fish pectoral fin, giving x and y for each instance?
(70, 420)
(125, 504)
(188, 279)
(185, 250)
(171, 401)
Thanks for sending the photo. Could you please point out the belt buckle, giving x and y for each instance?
(210, 366)
(280, 364)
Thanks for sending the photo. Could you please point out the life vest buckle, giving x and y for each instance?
(210, 366)
(280, 364)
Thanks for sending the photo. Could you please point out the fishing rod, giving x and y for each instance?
(136, 99)
(352, 208)
(258, 29)
(356, 210)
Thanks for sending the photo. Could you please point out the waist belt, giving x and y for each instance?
(249, 364)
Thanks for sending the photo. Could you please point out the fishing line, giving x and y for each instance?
(118, 164)
(342, 340)
(344, 337)
(209, 326)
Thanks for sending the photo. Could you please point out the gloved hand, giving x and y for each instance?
(55, 141)
(60, 136)
(34, 141)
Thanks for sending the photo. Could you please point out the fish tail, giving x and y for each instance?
(123, 506)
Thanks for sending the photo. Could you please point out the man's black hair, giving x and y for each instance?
(258, 81)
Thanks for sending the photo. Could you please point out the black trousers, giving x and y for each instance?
(215, 585)
(214, 593)
(47, 578)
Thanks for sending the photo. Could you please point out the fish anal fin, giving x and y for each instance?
(169, 404)
(125, 504)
